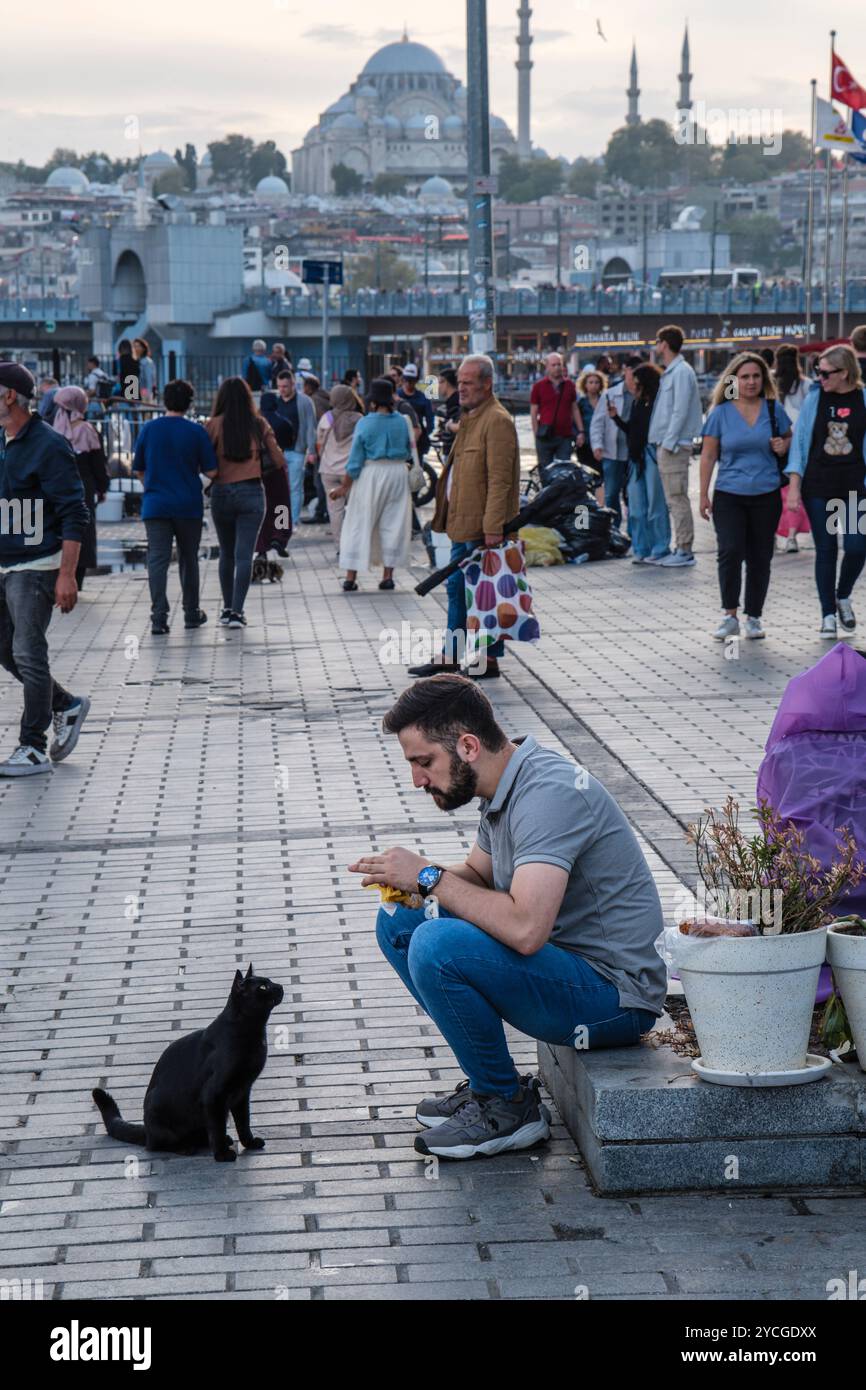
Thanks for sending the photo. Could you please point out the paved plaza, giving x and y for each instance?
(222, 783)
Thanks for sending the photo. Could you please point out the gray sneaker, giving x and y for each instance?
(489, 1125)
(435, 1110)
(67, 727)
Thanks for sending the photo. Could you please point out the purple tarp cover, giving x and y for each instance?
(814, 771)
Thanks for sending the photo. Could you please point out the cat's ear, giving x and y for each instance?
(250, 971)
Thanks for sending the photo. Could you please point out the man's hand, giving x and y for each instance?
(65, 592)
(598, 455)
(492, 538)
(396, 868)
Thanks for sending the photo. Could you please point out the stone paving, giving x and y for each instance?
(222, 783)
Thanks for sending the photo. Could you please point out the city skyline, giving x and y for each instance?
(241, 79)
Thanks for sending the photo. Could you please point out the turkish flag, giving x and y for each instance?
(844, 88)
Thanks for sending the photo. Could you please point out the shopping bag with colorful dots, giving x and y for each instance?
(498, 598)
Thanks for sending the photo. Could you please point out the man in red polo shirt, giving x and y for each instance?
(554, 412)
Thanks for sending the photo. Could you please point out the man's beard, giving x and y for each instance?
(462, 788)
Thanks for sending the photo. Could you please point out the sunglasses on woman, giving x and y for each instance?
(824, 374)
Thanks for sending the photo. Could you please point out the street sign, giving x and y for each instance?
(485, 183)
(322, 272)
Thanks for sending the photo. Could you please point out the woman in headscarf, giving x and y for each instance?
(333, 444)
(71, 406)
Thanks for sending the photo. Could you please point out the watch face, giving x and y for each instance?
(429, 876)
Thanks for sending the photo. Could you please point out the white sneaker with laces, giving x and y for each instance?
(754, 628)
(25, 762)
(728, 627)
(67, 727)
(828, 627)
(846, 614)
(792, 545)
(678, 560)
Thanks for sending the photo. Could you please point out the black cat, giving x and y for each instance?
(203, 1076)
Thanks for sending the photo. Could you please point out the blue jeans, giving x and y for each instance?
(186, 532)
(615, 472)
(649, 522)
(237, 510)
(26, 605)
(295, 465)
(470, 984)
(826, 556)
(456, 588)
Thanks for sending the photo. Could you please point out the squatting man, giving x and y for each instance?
(549, 925)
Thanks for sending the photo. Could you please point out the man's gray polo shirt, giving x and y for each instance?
(547, 810)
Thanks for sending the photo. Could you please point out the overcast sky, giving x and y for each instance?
(199, 69)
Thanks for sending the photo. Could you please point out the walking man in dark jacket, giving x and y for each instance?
(43, 520)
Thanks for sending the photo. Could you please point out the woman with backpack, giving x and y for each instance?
(245, 448)
(746, 436)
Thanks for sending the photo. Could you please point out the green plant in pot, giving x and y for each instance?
(750, 969)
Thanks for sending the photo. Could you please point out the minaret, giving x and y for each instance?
(633, 117)
(685, 77)
(523, 65)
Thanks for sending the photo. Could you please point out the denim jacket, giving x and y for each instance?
(798, 454)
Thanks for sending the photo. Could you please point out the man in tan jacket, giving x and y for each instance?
(478, 492)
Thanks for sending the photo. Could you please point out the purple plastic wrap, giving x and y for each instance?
(814, 771)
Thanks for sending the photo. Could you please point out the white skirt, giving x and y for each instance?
(377, 525)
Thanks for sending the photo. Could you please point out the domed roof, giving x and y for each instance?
(454, 125)
(205, 162)
(402, 57)
(347, 121)
(435, 187)
(393, 124)
(158, 160)
(271, 189)
(497, 123)
(416, 122)
(68, 180)
(343, 103)
(366, 89)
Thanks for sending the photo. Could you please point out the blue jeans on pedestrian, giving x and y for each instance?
(826, 556)
(615, 472)
(470, 984)
(237, 510)
(185, 532)
(456, 589)
(295, 466)
(649, 523)
(26, 605)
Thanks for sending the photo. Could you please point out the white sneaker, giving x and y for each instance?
(24, 762)
(678, 560)
(67, 727)
(792, 546)
(754, 628)
(846, 614)
(828, 628)
(655, 559)
(728, 627)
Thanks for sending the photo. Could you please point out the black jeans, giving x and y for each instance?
(238, 510)
(746, 530)
(161, 531)
(827, 556)
(555, 447)
(26, 603)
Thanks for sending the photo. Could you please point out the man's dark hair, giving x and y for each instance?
(281, 376)
(673, 336)
(93, 359)
(350, 376)
(178, 395)
(448, 374)
(443, 708)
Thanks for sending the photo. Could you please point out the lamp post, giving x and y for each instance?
(479, 190)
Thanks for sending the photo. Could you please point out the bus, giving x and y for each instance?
(736, 278)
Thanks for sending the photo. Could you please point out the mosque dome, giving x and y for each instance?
(393, 125)
(344, 103)
(453, 127)
(68, 180)
(271, 189)
(436, 188)
(348, 121)
(405, 56)
(156, 162)
(416, 124)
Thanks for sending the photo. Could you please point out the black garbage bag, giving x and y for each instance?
(618, 543)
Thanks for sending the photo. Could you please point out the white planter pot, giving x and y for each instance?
(751, 998)
(847, 956)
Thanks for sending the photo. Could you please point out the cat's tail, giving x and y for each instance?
(115, 1125)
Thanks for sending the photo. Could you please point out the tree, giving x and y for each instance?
(189, 163)
(526, 180)
(384, 184)
(645, 155)
(266, 160)
(757, 239)
(583, 178)
(381, 269)
(230, 160)
(60, 158)
(345, 180)
(171, 181)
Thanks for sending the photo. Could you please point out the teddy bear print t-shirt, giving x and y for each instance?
(836, 462)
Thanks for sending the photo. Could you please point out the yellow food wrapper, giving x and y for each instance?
(397, 895)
